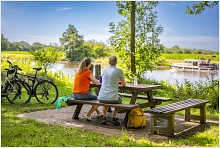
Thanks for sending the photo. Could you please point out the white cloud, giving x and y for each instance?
(172, 4)
(62, 9)
(198, 42)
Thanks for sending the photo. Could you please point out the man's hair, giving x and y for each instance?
(112, 60)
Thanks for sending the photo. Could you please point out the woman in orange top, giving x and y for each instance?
(81, 85)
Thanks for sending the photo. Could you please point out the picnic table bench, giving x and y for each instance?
(126, 107)
(168, 111)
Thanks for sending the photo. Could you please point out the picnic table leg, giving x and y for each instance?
(187, 114)
(150, 99)
(77, 111)
(203, 114)
(133, 97)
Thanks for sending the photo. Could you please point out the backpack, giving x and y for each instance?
(136, 118)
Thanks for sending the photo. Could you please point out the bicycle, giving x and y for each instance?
(15, 90)
(44, 90)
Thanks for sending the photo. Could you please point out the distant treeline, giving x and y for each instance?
(24, 46)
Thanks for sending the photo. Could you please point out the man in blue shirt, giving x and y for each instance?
(109, 90)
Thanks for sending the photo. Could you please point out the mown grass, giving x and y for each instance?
(18, 132)
(28, 132)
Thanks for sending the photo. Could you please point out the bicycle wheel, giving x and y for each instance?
(17, 92)
(46, 92)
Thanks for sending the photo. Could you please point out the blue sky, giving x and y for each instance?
(45, 21)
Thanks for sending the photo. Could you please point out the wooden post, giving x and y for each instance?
(97, 71)
(91, 68)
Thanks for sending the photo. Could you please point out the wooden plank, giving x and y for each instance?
(145, 97)
(174, 107)
(96, 102)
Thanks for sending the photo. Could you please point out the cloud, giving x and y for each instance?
(198, 42)
(166, 29)
(63, 9)
(172, 4)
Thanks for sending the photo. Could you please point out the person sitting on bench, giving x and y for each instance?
(109, 90)
(81, 86)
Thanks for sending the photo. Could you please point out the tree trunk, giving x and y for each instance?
(133, 69)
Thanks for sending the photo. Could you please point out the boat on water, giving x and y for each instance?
(199, 65)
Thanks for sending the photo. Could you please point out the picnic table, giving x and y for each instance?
(134, 89)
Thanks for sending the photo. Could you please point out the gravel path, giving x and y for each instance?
(63, 117)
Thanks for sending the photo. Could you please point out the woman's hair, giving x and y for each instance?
(112, 60)
(83, 65)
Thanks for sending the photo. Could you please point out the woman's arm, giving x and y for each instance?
(94, 80)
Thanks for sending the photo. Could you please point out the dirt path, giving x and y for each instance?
(63, 117)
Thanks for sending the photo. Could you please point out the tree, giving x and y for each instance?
(95, 49)
(147, 46)
(5, 44)
(200, 7)
(21, 46)
(36, 45)
(72, 44)
(46, 56)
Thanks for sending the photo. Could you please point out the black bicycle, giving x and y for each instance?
(15, 90)
(44, 90)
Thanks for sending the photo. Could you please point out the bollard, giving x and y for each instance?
(91, 68)
(97, 71)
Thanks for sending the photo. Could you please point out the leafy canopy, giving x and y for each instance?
(147, 44)
(200, 7)
(46, 56)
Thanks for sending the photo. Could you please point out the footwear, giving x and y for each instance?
(88, 118)
(116, 121)
(109, 110)
(104, 121)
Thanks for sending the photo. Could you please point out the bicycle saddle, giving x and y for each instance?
(37, 69)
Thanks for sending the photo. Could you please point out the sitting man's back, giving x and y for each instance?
(109, 90)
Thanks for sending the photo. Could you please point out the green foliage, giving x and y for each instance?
(207, 90)
(200, 7)
(96, 49)
(46, 56)
(5, 44)
(213, 57)
(177, 50)
(72, 44)
(147, 47)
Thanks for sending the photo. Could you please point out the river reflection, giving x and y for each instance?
(158, 75)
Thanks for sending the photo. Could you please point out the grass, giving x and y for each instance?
(18, 132)
(28, 132)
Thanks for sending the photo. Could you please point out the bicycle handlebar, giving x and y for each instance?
(13, 66)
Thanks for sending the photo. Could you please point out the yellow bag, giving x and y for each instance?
(136, 118)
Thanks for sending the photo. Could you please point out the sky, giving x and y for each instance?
(45, 22)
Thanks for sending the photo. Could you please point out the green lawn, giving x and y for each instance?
(16, 132)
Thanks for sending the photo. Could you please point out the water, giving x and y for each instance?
(158, 75)
(172, 76)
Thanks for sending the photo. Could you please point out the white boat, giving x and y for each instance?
(195, 66)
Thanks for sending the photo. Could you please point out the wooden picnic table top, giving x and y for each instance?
(130, 86)
(135, 89)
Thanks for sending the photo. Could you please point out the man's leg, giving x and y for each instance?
(115, 120)
(104, 115)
